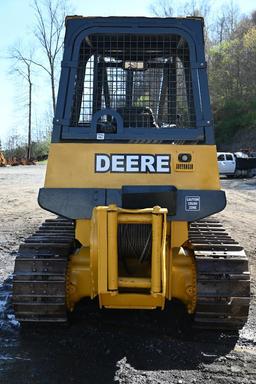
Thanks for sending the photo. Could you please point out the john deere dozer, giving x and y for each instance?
(133, 178)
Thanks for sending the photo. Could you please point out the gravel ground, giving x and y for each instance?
(121, 346)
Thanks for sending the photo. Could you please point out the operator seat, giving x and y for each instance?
(134, 117)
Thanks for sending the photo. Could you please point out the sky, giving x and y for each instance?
(16, 27)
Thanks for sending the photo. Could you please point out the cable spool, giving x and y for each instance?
(134, 241)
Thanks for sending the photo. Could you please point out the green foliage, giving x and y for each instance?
(250, 39)
(39, 150)
(232, 117)
(18, 151)
(232, 78)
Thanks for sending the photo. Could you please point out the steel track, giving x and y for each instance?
(39, 282)
(223, 278)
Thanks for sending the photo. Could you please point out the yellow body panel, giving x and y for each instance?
(83, 230)
(133, 300)
(94, 269)
(79, 282)
(179, 233)
(183, 277)
(71, 165)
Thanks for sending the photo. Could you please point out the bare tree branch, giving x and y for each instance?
(50, 19)
(161, 8)
(23, 67)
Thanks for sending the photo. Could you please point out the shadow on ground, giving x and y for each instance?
(88, 348)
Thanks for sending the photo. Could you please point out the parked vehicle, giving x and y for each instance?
(237, 164)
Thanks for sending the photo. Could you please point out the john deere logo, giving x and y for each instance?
(132, 163)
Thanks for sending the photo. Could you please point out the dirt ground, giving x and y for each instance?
(121, 346)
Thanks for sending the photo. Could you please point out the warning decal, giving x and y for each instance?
(192, 203)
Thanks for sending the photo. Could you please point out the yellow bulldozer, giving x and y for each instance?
(133, 205)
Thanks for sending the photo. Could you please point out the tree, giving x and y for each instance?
(232, 70)
(186, 8)
(254, 17)
(161, 8)
(197, 8)
(226, 22)
(23, 67)
(249, 54)
(49, 30)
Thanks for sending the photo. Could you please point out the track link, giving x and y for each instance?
(223, 278)
(39, 282)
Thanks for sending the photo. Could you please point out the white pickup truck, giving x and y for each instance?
(236, 164)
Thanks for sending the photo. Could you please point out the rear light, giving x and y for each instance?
(184, 157)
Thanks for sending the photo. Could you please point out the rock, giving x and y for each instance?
(235, 368)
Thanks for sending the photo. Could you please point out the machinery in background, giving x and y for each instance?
(3, 161)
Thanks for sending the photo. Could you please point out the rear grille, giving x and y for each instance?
(184, 167)
(145, 78)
